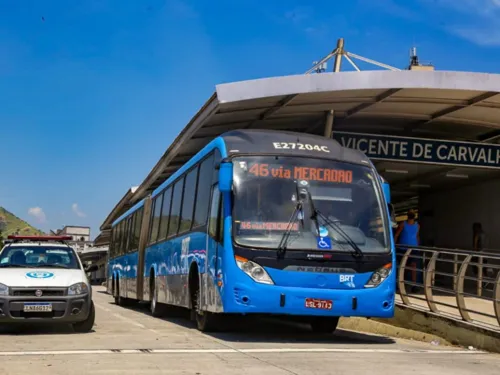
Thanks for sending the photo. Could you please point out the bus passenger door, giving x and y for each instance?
(210, 302)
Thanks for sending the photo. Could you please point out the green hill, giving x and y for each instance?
(11, 224)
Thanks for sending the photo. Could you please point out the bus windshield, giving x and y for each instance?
(347, 197)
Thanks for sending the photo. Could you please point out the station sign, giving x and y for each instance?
(422, 150)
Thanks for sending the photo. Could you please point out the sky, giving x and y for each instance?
(93, 92)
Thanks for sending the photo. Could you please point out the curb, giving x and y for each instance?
(371, 326)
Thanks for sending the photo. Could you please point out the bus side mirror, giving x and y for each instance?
(387, 191)
(225, 177)
(392, 216)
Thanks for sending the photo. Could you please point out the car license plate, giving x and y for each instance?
(314, 303)
(37, 307)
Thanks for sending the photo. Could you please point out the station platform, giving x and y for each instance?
(479, 308)
(456, 297)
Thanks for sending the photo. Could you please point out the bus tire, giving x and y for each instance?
(205, 320)
(119, 300)
(116, 292)
(156, 308)
(86, 325)
(324, 324)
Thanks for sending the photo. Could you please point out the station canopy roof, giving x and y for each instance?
(448, 105)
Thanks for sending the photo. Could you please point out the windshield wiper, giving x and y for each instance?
(358, 253)
(50, 266)
(315, 213)
(293, 219)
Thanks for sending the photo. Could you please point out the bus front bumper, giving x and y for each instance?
(255, 298)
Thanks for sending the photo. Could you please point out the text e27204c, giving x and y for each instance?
(299, 146)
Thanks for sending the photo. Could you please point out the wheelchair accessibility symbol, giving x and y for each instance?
(324, 243)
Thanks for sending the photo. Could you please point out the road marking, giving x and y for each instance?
(121, 316)
(215, 351)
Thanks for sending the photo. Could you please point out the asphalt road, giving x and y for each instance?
(130, 341)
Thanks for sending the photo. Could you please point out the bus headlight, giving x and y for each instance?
(4, 290)
(379, 276)
(77, 289)
(252, 269)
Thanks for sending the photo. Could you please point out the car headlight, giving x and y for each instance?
(379, 276)
(77, 289)
(252, 269)
(4, 290)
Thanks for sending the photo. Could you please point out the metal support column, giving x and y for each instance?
(340, 52)
(329, 123)
(338, 56)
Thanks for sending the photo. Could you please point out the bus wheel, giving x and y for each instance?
(119, 300)
(156, 308)
(205, 320)
(324, 324)
(116, 293)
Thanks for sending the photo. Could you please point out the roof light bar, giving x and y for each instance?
(39, 238)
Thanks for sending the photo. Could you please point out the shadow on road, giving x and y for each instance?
(248, 329)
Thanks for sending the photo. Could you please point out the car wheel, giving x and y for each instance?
(87, 324)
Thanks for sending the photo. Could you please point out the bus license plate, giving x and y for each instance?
(37, 307)
(314, 303)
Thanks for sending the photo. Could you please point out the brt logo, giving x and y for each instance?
(347, 280)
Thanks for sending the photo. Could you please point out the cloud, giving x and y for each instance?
(38, 214)
(77, 211)
(474, 20)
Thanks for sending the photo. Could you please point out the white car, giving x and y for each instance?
(42, 279)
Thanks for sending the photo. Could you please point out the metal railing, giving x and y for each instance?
(456, 283)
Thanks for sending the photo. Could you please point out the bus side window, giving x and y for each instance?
(215, 222)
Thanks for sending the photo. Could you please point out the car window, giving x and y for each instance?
(39, 257)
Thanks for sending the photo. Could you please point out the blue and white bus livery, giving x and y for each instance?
(261, 222)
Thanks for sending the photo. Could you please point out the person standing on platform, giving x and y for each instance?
(408, 234)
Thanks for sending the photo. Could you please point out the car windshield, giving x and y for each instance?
(38, 257)
(347, 197)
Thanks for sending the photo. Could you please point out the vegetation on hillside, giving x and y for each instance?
(11, 224)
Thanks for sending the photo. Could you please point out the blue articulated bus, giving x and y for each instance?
(261, 222)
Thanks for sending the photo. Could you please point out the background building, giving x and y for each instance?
(81, 236)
